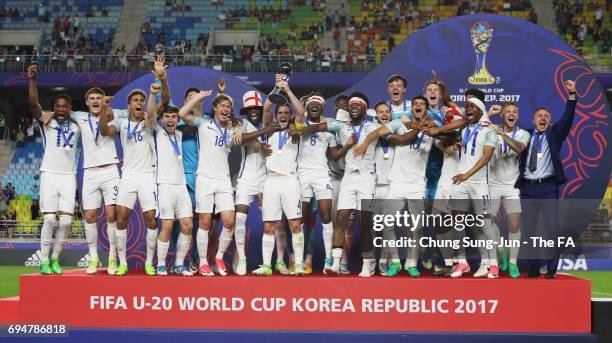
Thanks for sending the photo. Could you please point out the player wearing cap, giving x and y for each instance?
(174, 201)
(136, 130)
(478, 142)
(214, 191)
(281, 194)
(57, 173)
(504, 173)
(396, 88)
(407, 175)
(315, 180)
(251, 176)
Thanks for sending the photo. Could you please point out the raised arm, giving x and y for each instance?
(184, 112)
(564, 125)
(159, 70)
(151, 115)
(295, 102)
(33, 92)
(105, 129)
(267, 112)
(515, 145)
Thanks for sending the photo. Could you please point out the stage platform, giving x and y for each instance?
(314, 303)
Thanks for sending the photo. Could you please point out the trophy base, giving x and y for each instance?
(278, 99)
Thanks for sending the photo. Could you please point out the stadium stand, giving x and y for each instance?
(97, 22)
(286, 28)
(23, 174)
(586, 26)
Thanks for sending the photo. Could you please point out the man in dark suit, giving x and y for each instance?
(541, 173)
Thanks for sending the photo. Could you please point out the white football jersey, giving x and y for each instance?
(505, 161)
(138, 146)
(253, 163)
(450, 168)
(169, 156)
(410, 160)
(383, 165)
(59, 142)
(313, 154)
(215, 144)
(363, 164)
(285, 154)
(98, 150)
(474, 138)
(401, 109)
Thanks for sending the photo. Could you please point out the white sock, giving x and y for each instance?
(337, 255)
(240, 234)
(448, 262)
(121, 236)
(489, 233)
(162, 252)
(151, 241)
(267, 247)
(182, 248)
(297, 241)
(514, 251)
(112, 240)
(60, 235)
(281, 242)
(202, 243)
(224, 241)
(46, 234)
(328, 234)
(497, 235)
(91, 235)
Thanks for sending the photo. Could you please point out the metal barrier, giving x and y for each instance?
(31, 229)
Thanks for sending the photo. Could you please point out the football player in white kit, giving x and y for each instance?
(504, 173)
(281, 193)
(214, 191)
(136, 130)
(336, 167)
(407, 175)
(396, 88)
(315, 180)
(57, 173)
(441, 204)
(251, 176)
(384, 155)
(174, 201)
(478, 143)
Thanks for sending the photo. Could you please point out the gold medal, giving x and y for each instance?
(67, 147)
(386, 156)
(179, 157)
(540, 155)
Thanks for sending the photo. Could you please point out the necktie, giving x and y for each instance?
(533, 158)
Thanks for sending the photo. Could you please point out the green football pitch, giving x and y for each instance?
(9, 280)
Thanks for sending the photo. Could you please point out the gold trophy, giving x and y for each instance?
(481, 35)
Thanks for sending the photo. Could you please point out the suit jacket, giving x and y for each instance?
(555, 135)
